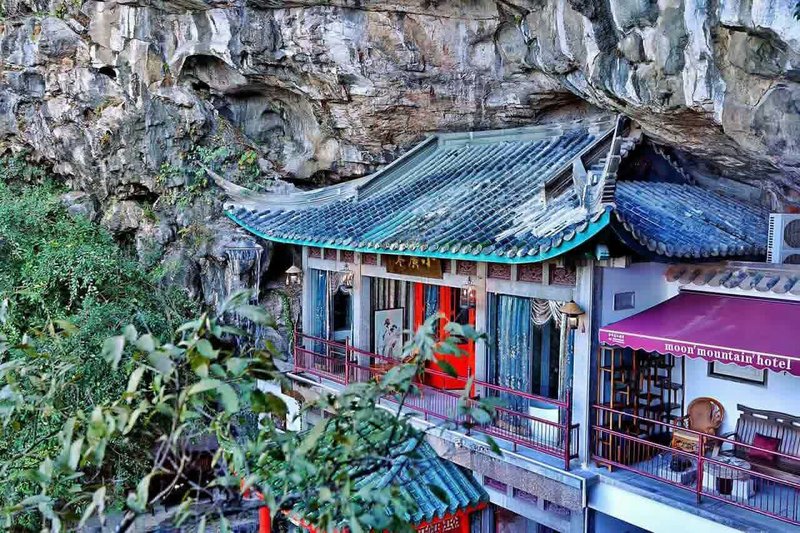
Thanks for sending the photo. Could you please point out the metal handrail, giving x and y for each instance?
(606, 456)
(555, 438)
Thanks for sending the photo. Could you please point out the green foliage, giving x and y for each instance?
(248, 166)
(15, 168)
(58, 271)
(201, 385)
(241, 166)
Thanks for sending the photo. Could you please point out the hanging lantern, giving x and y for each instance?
(468, 294)
(294, 277)
(346, 277)
(572, 311)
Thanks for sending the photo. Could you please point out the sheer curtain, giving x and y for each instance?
(431, 301)
(515, 349)
(510, 352)
(320, 300)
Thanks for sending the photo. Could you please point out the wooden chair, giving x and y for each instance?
(704, 415)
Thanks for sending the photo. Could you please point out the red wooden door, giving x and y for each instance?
(464, 364)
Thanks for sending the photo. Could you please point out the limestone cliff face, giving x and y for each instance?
(117, 94)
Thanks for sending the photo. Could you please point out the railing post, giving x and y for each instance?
(568, 429)
(700, 466)
(294, 350)
(346, 359)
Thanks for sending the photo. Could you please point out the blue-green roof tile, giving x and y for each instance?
(481, 196)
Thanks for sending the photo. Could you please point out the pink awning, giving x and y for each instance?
(730, 329)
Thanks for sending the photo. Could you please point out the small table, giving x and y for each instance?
(735, 483)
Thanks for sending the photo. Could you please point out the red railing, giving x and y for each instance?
(625, 440)
(513, 421)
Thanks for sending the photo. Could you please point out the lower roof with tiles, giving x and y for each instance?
(506, 196)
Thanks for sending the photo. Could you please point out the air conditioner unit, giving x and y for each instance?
(783, 239)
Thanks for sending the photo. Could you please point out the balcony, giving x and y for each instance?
(638, 450)
(523, 420)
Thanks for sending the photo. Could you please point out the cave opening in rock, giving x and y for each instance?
(108, 71)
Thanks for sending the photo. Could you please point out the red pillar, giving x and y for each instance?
(264, 521)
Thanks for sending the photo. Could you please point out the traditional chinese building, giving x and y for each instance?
(537, 236)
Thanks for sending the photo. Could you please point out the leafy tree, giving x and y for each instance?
(200, 386)
(56, 271)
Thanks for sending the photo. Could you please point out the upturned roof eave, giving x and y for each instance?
(591, 230)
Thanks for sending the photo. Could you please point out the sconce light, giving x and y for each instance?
(346, 277)
(468, 294)
(294, 277)
(572, 312)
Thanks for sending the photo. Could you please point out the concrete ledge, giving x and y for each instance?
(658, 507)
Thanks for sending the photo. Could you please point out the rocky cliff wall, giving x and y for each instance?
(127, 100)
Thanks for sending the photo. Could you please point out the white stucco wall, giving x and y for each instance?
(646, 280)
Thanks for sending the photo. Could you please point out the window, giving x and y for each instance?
(525, 345)
(733, 372)
(624, 300)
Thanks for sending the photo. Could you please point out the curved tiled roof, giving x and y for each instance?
(759, 277)
(512, 196)
(475, 196)
(686, 221)
(416, 478)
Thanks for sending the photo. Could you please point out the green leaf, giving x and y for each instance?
(480, 416)
(75, 453)
(132, 420)
(203, 385)
(205, 349)
(146, 343)
(224, 524)
(266, 402)
(312, 437)
(138, 501)
(236, 365)
(455, 329)
(134, 379)
(112, 350)
(98, 503)
(130, 333)
(36, 499)
(493, 445)
(399, 375)
(236, 300)
(161, 362)
(255, 314)
(192, 324)
(228, 397)
(66, 326)
(447, 368)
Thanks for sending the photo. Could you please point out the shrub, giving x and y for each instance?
(62, 271)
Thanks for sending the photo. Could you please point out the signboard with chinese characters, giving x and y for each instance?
(452, 523)
(424, 267)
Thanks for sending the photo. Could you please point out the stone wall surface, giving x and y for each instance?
(117, 94)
